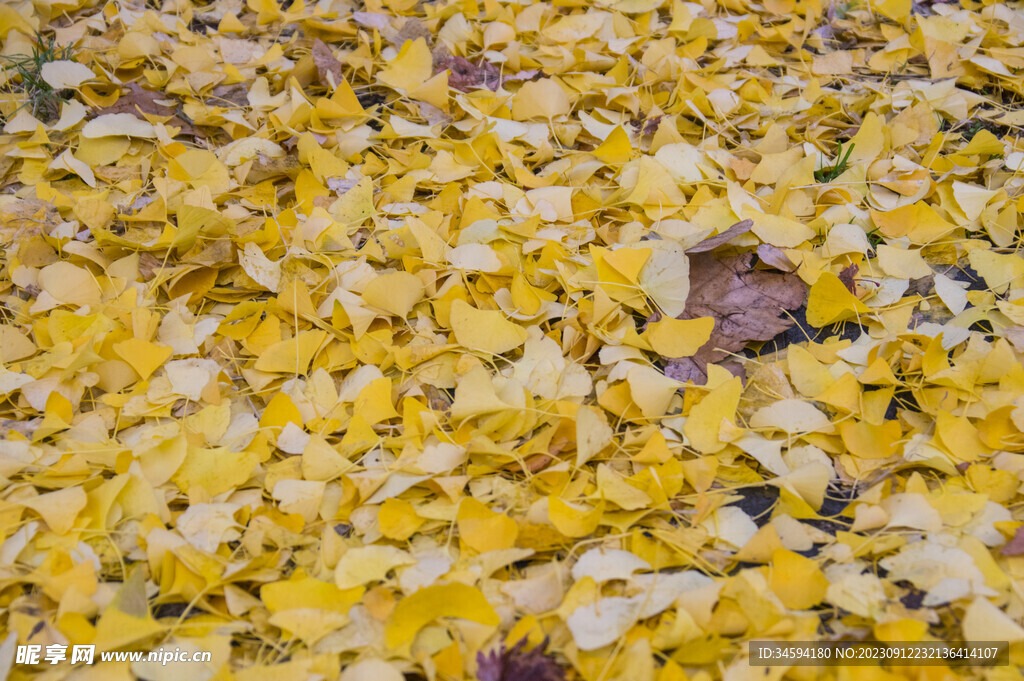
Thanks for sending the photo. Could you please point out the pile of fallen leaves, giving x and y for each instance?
(509, 340)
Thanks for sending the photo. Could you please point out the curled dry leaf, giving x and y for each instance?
(714, 242)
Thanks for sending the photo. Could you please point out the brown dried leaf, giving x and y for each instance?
(518, 664)
(395, 30)
(745, 303)
(149, 265)
(776, 257)
(848, 276)
(327, 65)
(528, 74)
(236, 95)
(650, 126)
(464, 75)
(1016, 545)
(140, 100)
(265, 168)
(412, 29)
(714, 242)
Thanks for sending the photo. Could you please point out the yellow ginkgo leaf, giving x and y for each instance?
(59, 509)
(143, 356)
(429, 603)
(67, 284)
(293, 355)
(367, 564)
(574, 520)
(777, 230)
(306, 592)
(540, 99)
(665, 277)
(485, 330)
(484, 530)
(704, 424)
(395, 293)
(616, 148)
(671, 337)
(796, 580)
(118, 124)
(829, 301)
(411, 68)
(615, 489)
(398, 519)
(593, 433)
(897, 10)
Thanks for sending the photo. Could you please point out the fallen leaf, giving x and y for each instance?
(507, 664)
(464, 75)
(711, 243)
(328, 68)
(426, 605)
(1015, 546)
(747, 305)
(63, 74)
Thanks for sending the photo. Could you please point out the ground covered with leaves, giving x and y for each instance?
(509, 340)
